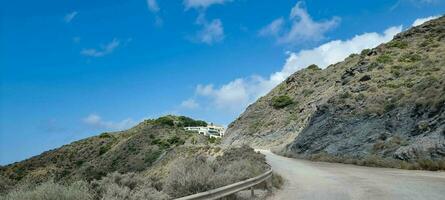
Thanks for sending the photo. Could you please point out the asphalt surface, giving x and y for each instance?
(320, 180)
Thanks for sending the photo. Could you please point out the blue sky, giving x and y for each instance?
(72, 69)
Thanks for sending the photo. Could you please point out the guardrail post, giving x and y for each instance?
(251, 192)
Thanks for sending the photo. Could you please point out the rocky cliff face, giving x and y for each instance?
(387, 102)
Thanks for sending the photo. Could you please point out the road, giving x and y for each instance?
(319, 180)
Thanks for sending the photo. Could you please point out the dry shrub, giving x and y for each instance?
(277, 180)
(51, 191)
(189, 176)
(200, 173)
(131, 186)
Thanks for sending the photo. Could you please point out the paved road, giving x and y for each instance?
(318, 180)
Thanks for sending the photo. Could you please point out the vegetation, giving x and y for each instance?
(199, 174)
(51, 191)
(313, 67)
(281, 101)
(385, 58)
(191, 171)
(180, 121)
(397, 44)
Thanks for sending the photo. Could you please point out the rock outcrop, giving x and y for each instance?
(387, 102)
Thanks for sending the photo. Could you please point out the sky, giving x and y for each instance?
(74, 69)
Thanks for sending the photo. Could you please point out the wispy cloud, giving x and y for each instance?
(70, 16)
(189, 104)
(203, 4)
(299, 27)
(154, 8)
(96, 121)
(211, 32)
(235, 95)
(103, 50)
(420, 21)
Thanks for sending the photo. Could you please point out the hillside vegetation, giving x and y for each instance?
(157, 159)
(382, 107)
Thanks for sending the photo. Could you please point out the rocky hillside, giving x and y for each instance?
(387, 102)
(133, 150)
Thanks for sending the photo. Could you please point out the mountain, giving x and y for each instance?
(382, 107)
(133, 150)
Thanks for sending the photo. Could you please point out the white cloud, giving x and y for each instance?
(154, 8)
(96, 121)
(300, 27)
(189, 104)
(103, 50)
(211, 32)
(237, 94)
(274, 28)
(70, 16)
(420, 21)
(202, 3)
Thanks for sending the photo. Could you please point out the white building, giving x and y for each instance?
(209, 130)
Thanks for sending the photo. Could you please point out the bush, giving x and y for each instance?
(313, 67)
(131, 186)
(189, 176)
(166, 120)
(307, 92)
(410, 57)
(186, 121)
(385, 58)
(51, 191)
(365, 52)
(281, 101)
(397, 44)
(198, 174)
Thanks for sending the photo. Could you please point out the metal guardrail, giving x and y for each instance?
(230, 189)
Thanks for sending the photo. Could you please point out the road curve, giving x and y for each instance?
(320, 180)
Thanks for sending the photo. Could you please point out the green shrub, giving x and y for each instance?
(105, 135)
(281, 101)
(314, 67)
(166, 120)
(345, 95)
(389, 106)
(385, 58)
(410, 57)
(365, 52)
(187, 121)
(397, 44)
(175, 140)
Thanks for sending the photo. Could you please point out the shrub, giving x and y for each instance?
(186, 121)
(307, 92)
(131, 186)
(51, 191)
(281, 101)
(104, 135)
(385, 58)
(345, 95)
(397, 44)
(166, 120)
(388, 106)
(277, 180)
(189, 176)
(198, 173)
(214, 140)
(313, 67)
(410, 57)
(174, 140)
(365, 52)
